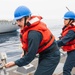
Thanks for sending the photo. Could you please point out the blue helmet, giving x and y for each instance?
(21, 11)
(69, 15)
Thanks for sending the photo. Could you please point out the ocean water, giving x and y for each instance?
(10, 43)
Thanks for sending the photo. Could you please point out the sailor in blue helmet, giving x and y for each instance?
(36, 38)
(67, 41)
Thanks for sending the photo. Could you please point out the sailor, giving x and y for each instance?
(36, 38)
(67, 41)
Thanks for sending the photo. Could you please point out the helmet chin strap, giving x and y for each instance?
(70, 22)
(28, 24)
(25, 21)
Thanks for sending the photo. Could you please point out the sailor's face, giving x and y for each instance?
(20, 23)
(66, 21)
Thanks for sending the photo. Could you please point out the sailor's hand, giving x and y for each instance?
(57, 38)
(10, 64)
(22, 54)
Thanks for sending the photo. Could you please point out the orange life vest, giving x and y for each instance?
(71, 44)
(39, 26)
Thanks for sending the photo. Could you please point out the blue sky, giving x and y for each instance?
(49, 9)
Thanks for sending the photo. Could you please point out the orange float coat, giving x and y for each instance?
(71, 44)
(37, 25)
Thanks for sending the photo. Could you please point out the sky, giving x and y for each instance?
(48, 9)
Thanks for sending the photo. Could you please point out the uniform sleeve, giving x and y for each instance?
(34, 39)
(70, 36)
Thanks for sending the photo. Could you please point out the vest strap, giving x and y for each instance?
(46, 42)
